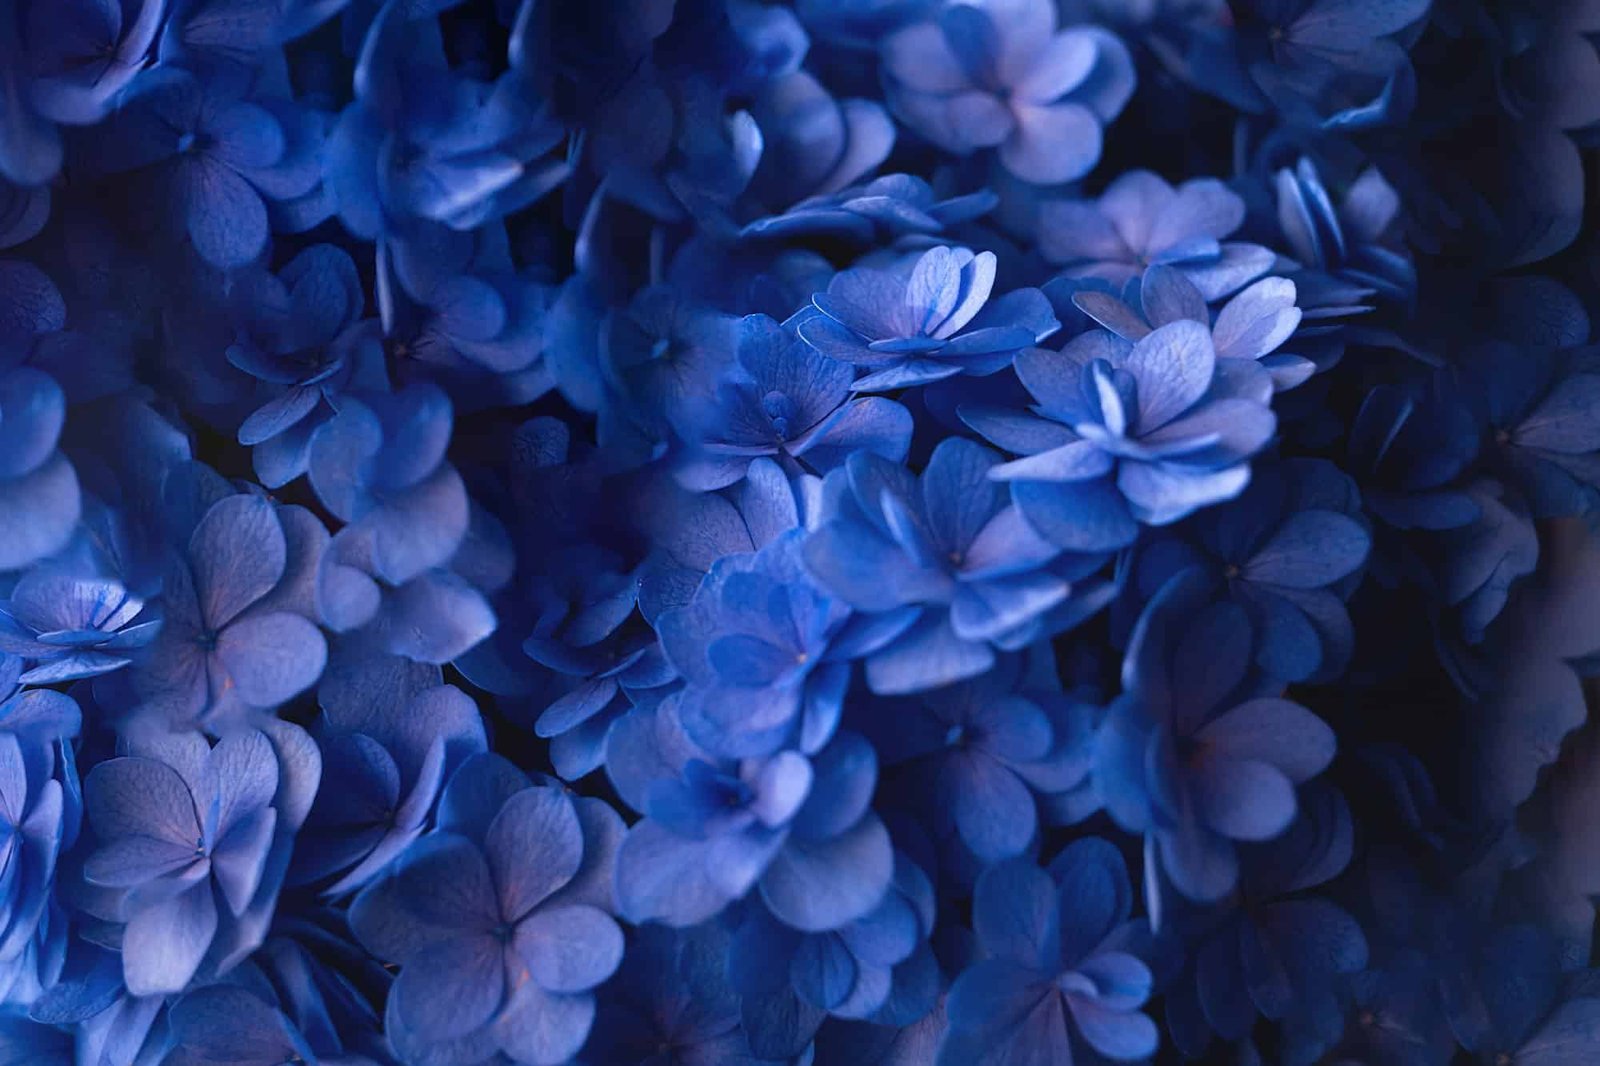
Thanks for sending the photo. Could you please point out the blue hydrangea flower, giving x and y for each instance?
(299, 338)
(65, 63)
(812, 144)
(656, 354)
(1285, 550)
(236, 634)
(191, 846)
(40, 501)
(1250, 327)
(690, 531)
(71, 627)
(208, 158)
(1410, 447)
(498, 919)
(1058, 980)
(1126, 435)
(39, 486)
(878, 967)
(586, 631)
(788, 402)
(978, 759)
(424, 141)
(457, 305)
(1141, 221)
(799, 830)
(391, 735)
(669, 143)
(1194, 754)
(380, 465)
(1535, 407)
(923, 319)
(949, 549)
(765, 654)
(1328, 64)
(79, 57)
(1000, 75)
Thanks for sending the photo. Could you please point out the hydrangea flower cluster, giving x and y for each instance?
(816, 533)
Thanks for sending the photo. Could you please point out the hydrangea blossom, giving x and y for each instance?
(799, 830)
(1286, 551)
(237, 633)
(498, 920)
(1001, 75)
(1194, 755)
(909, 325)
(300, 337)
(765, 654)
(1062, 978)
(1141, 221)
(980, 758)
(790, 403)
(211, 158)
(44, 804)
(949, 552)
(1130, 434)
(70, 626)
(191, 843)
(391, 735)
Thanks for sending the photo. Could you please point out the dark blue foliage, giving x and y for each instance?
(815, 533)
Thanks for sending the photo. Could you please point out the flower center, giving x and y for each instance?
(780, 412)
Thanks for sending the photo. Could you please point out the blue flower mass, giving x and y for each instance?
(799, 532)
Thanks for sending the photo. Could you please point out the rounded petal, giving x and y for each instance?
(1052, 144)
(820, 885)
(451, 988)
(163, 943)
(38, 513)
(569, 949)
(271, 657)
(534, 846)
